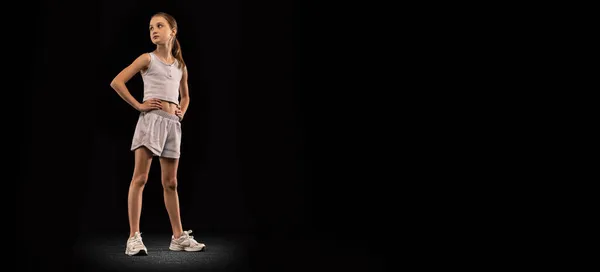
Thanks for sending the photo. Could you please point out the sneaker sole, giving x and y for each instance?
(139, 253)
(186, 249)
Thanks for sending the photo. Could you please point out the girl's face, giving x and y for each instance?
(160, 31)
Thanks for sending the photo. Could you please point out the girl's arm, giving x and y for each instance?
(184, 92)
(118, 83)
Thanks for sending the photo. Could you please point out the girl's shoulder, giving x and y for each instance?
(146, 59)
(148, 55)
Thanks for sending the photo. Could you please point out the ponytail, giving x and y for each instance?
(177, 53)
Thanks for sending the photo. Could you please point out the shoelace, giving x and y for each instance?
(135, 242)
(191, 238)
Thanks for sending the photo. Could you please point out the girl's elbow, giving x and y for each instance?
(114, 84)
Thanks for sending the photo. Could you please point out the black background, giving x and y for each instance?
(279, 141)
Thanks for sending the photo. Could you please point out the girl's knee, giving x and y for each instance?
(139, 180)
(170, 183)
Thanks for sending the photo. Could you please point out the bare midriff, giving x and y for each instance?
(169, 107)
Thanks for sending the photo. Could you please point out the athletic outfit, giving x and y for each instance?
(159, 130)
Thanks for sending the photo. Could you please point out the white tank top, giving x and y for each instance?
(161, 80)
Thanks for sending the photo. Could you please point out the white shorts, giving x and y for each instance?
(160, 132)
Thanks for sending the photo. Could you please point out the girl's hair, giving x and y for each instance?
(176, 48)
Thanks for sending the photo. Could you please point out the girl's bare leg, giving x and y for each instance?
(169, 182)
(143, 160)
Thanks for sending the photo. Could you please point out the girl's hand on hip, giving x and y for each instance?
(151, 104)
(179, 113)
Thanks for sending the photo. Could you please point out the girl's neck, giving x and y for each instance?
(164, 52)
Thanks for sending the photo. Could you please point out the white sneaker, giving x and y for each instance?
(186, 242)
(135, 246)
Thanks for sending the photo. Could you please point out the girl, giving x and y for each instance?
(158, 129)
